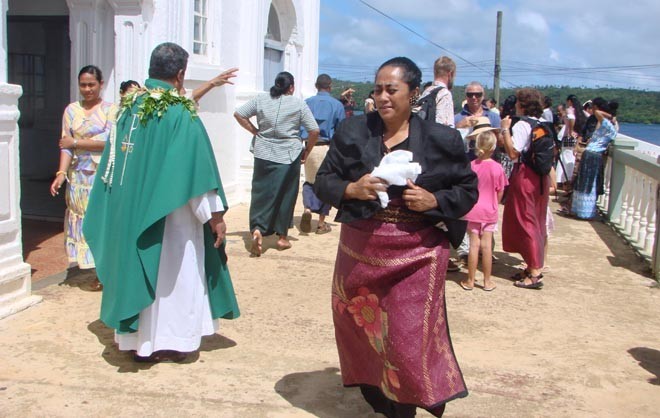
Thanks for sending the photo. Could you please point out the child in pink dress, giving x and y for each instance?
(482, 219)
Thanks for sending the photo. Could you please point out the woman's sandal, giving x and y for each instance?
(521, 275)
(536, 282)
(257, 240)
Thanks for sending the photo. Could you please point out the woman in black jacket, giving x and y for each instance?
(388, 286)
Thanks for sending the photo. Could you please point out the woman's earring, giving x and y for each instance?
(413, 99)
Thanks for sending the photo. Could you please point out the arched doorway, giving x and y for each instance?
(273, 48)
(39, 48)
(280, 33)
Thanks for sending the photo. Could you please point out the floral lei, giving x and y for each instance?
(156, 102)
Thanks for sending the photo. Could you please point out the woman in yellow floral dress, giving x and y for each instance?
(86, 127)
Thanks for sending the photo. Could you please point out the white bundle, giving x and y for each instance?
(395, 169)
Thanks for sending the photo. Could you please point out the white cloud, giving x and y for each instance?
(561, 33)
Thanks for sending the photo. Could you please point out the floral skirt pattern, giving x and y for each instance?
(77, 195)
(584, 203)
(389, 312)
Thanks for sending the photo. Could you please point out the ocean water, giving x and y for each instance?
(645, 132)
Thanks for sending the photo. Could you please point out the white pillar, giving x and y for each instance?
(131, 39)
(15, 283)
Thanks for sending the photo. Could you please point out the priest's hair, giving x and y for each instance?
(167, 60)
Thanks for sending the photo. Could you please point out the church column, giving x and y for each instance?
(310, 41)
(131, 29)
(15, 283)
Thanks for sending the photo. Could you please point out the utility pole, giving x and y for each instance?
(498, 45)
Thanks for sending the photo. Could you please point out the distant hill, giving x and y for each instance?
(635, 106)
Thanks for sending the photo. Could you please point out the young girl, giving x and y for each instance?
(482, 219)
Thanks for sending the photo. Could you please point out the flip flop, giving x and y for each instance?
(465, 287)
(323, 229)
(489, 289)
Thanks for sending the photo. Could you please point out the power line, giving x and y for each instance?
(409, 29)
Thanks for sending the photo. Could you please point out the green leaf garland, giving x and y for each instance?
(156, 102)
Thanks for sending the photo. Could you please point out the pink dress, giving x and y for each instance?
(491, 181)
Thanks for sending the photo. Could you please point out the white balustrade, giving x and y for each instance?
(651, 215)
(632, 198)
(640, 237)
(637, 206)
(625, 191)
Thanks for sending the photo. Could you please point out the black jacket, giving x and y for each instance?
(355, 150)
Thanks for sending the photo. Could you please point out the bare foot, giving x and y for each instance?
(257, 240)
(283, 243)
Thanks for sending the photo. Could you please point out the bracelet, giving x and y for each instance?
(60, 172)
(75, 143)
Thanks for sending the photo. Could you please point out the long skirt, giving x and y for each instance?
(76, 197)
(565, 165)
(389, 311)
(525, 210)
(274, 191)
(588, 186)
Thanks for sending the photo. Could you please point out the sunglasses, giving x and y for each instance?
(473, 95)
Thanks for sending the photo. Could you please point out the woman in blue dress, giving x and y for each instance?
(589, 183)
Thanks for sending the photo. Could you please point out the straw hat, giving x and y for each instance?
(483, 125)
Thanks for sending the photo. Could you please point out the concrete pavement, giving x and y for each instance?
(586, 345)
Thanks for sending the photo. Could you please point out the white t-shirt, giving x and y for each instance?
(521, 136)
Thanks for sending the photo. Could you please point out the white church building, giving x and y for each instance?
(44, 44)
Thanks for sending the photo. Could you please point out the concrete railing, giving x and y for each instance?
(630, 202)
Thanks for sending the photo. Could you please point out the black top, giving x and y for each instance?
(357, 148)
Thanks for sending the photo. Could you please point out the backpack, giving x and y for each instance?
(427, 104)
(540, 156)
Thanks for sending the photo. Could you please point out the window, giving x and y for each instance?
(200, 36)
(29, 71)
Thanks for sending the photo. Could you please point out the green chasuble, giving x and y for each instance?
(157, 165)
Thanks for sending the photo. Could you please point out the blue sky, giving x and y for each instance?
(605, 43)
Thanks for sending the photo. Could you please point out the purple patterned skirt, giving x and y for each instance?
(388, 302)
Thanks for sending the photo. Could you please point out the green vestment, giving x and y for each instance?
(159, 166)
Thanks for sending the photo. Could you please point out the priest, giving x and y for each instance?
(155, 221)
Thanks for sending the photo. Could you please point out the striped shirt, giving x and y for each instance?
(279, 121)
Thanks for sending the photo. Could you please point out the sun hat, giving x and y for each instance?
(483, 125)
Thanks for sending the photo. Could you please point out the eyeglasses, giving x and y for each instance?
(473, 95)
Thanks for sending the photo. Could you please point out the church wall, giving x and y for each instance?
(118, 36)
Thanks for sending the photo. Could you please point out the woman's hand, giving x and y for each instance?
(66, 142)
(365, 189)
(418, 199)
(505, 123)
(57, 184)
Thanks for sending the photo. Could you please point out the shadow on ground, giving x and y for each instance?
(649, 360)
(82, 279)
(322, 394)
(623, 254)
(123, 360)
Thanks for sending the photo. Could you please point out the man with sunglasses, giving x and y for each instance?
(474, 108)
(466, 120)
